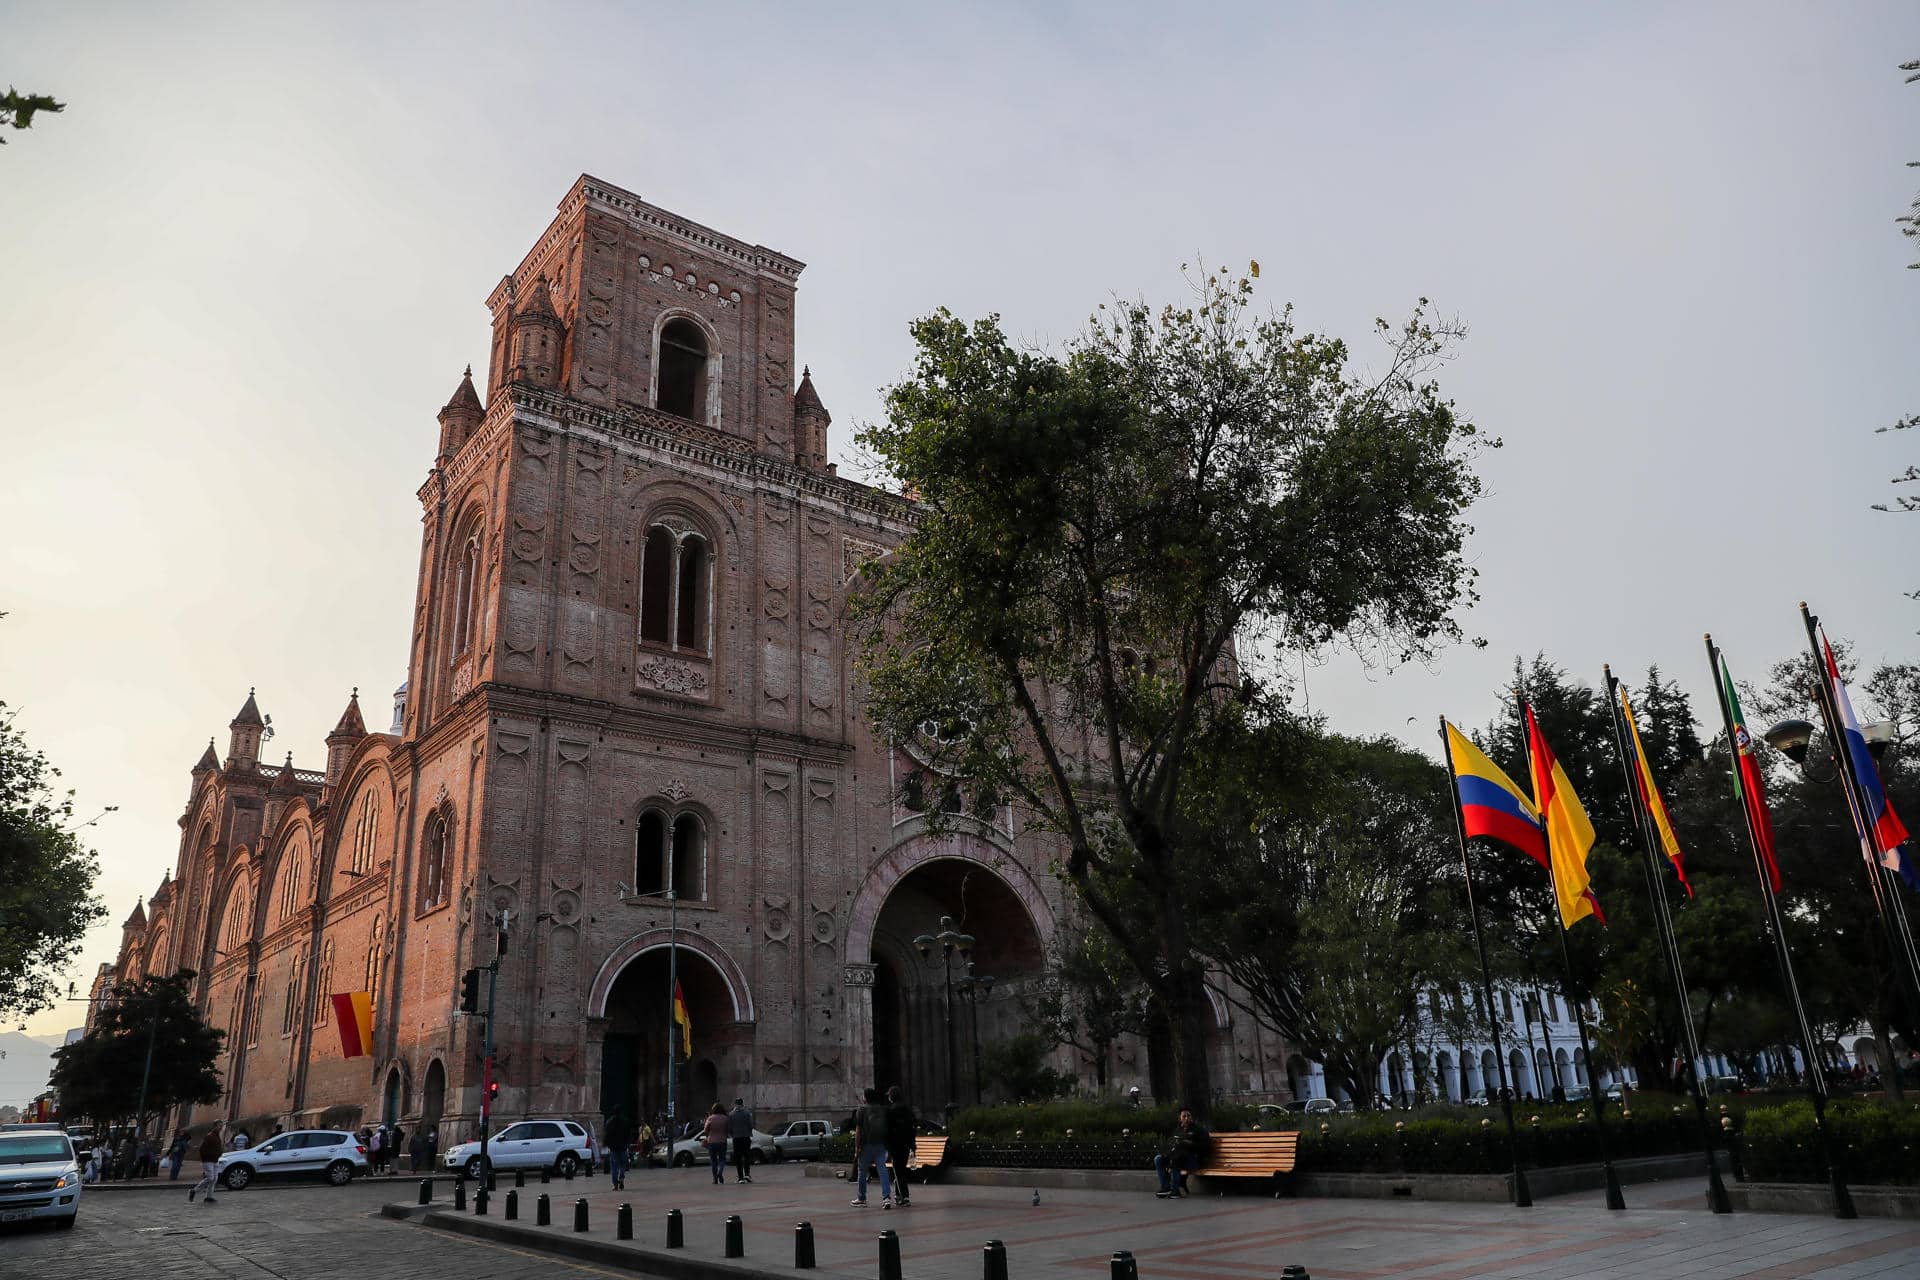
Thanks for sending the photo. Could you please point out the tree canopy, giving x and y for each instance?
(98, 1075)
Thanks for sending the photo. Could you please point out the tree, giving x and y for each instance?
(46, 888)
(1342, 905)
(18, 109)
(1099, 532)
(99, 1075)
(1909, 227)
(1087, 997)
(1017, 1067)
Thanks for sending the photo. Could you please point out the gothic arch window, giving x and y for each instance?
(676, 589)
(436, 863)
(467, 573)
(290, 877)
(681, 386)
(323, 984)
(671, 852)
(366, 830)
(374, 957)
(234, 934)
(253, 1018)
(289, 1010)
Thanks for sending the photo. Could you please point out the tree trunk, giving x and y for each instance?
(1161, 1073)
(1191, 1021)
(1889, 1069)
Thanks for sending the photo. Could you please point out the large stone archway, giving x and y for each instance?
(629, 1001)
(905, 1024)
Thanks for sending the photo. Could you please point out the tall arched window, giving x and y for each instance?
(435, 851)
(289, 1012)
(323, 985)
(683, 370)
(290, 881)
(366, 829)
(374, 958)
(466, 592)
(253, 1017)
(650, 856)
(236, 927)
(689, 857)
(676, 589)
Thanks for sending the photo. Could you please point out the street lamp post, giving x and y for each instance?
(976, 987)
(949, 940)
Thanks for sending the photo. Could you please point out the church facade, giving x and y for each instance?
(629, 744)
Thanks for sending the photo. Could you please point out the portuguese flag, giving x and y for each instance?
(1747, 784)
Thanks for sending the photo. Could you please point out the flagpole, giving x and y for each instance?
(1657, 890)
(1776, 926)
(1522, 1197)
(1879, 880)
(1615, 1200)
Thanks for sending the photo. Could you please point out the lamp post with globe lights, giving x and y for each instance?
(949, 941)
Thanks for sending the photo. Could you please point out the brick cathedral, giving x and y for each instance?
(630, 675)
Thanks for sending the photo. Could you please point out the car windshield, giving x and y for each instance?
(34, 1148)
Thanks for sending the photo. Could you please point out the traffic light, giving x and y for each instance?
(493, 1089)
(470, 991)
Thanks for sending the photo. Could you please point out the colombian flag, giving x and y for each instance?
(1567, 825)
(1490, 805)
(354, 1012)
(1650, 795)
(682, 1020)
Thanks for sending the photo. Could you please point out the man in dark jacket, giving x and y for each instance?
(1181, 1157)
(619, 1138)
(740, 1132)
(901, 1124)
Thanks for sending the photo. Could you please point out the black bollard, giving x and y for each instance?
(580, 1214)
(519, 1177)
(546, 1176)
(480, 1201)
(490, 1182)
(513, 1206)
(736, 1237)
(1123, 1267)
(803, 1247)
(460, 1196)
(676, 1230)
(543, 1212)
(623, 1223)
(994, 1261)
(1294, 1271)
(889, 1256)
(426, 1191)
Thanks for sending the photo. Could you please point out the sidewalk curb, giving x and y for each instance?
(262, 1184)
(628, 1257)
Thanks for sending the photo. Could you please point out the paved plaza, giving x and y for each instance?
(292, 1232)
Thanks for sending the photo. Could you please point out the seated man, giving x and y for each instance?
(1181, 1157)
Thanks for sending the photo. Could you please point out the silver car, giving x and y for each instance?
(801, 1139)
(314, 1153)
(39, 1177)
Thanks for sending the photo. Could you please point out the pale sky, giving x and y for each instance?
(243, 271)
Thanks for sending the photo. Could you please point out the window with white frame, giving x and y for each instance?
(676, 589)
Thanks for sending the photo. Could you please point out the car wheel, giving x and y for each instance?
(471, 1169)
(566, 1164)
(66, 1223)
(754, 1157)
(237, 1177)
(683, 1161)
(340, 1173)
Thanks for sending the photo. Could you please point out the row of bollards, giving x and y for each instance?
(1122, 1266)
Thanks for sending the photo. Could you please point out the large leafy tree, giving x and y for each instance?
(46, 877)
(1088, 997)
(1104, 537)
(99, 1075)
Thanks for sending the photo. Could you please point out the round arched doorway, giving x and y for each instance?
(936, 1022)
(709, 1056)
(433, 1095)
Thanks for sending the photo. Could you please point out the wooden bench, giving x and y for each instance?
(1249, 1155)
(929, 1153)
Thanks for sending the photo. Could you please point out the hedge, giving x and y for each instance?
(1878, 1142)
(1107, 1119)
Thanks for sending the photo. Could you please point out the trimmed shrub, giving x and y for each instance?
(1108, 1118)
(1878, 1143)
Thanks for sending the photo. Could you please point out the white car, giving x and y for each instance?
(691, 1151)
(39, 1177)
(559, 1145)
(320, 1153)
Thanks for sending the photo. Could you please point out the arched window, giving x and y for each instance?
(374, 956)
(290, 1010)
(323, 984)
(676, 589)
(466, 592)
(253, 1017)
(435, 851)
(366, 829)
(236, 927)
(290, 882)
(689, 857)
(683, 370)
(650, 856)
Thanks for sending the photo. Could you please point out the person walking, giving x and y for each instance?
(417, 1151)
(211, 1149)
(396, 1143)
(618, 1138)
(1181, 1157)
(375, 1156)
(902, 1125)
(177, 1154)
(643, 1142)
(714, 1134)
(870, 1140)
(740, 1130)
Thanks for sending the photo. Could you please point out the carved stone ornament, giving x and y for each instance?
(855, 552)
(672, 677)
(823, 925)
(676, 791)
(779, 921)
(565, 907)
(859, 975)
(586, 553)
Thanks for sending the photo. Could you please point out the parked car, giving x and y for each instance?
(559, 1145)
(39, 1176)
(801, 1139)
(321, 1153)
(82, 1138)
(690, 1151)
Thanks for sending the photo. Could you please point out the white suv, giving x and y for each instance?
(560, 1145)
(326, 1153)
(39, 1176)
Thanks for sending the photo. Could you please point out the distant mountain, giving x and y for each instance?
(24, 1071)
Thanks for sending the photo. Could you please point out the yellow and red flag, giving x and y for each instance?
(682, 1020)
(353, 1011)
(1569, 833)
(1650, 800)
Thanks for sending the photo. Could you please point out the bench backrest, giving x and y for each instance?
(1252, 1151)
